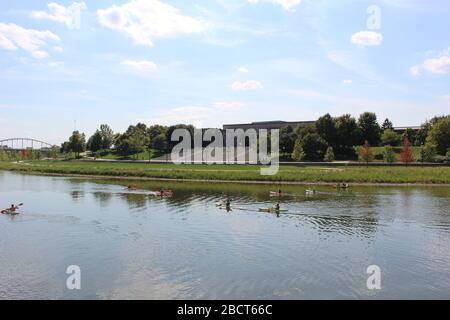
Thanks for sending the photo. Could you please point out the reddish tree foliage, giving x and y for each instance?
(366, 153)
(25, 154)
(406, 155)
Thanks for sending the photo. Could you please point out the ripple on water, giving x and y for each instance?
(184, 247)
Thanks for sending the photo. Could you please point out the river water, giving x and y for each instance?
(129, 245)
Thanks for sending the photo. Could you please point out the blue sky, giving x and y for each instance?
(212, 62)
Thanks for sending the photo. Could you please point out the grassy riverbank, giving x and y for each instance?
(359, 174)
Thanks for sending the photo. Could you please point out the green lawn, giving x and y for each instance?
(138, 156)
(378, 152)
(362, 174)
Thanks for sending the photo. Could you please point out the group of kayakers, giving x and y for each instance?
(168, 193)
(277, 207)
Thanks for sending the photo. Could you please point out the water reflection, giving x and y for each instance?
(135, 245)
(77, 194)
(104, 198)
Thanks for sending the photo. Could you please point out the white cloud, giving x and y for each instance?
(242, 70)
(246, 85)
(143, 20)
(39, 54)
(286, 4)
(439, 65)
(141, 66)
(70, 16)
(58, 49)
(13, 37)
(367, 38)
(347, 81)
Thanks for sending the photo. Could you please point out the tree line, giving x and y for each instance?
(328, 139)
(331, 138)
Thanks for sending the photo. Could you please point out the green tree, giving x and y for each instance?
(77, 143)
(313, 146)
(447, 155)
(326, 128)
(287, 139)
(439, 135)
(298, 154)
(389, 154)
(428, 153)
(159, 143)
(370, 129)
(329, 155)
(95, 142)
(54, 152)
(36, 155)
(348, 135)
(387, 125)
(107, 137)
(135, 140)
(65, 147)
(366, 153)
(422, 133)
(156, 130)
(390, 138)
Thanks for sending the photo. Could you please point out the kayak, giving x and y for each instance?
(272, 210)
(226, 208)
(221, 205)
(161, 194)
(341, 186)
(10, 212)
(276, 194)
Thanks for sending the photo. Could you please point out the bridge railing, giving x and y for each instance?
(24, 143)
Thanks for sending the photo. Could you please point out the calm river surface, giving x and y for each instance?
(131, 245)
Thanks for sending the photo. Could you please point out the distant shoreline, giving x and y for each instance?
(247, 182)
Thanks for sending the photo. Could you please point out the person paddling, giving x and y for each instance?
(11, 209)
(228, 204)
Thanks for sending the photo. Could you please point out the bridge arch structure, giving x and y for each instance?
(24, 144)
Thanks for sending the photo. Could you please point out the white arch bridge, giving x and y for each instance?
(24, 144)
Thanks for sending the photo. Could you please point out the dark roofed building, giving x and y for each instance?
(267, 125)
(403, 129)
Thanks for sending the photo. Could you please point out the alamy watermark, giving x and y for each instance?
(374, 280)
(73, 281)
(73, 20)
(228, 147)
(374, 19)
